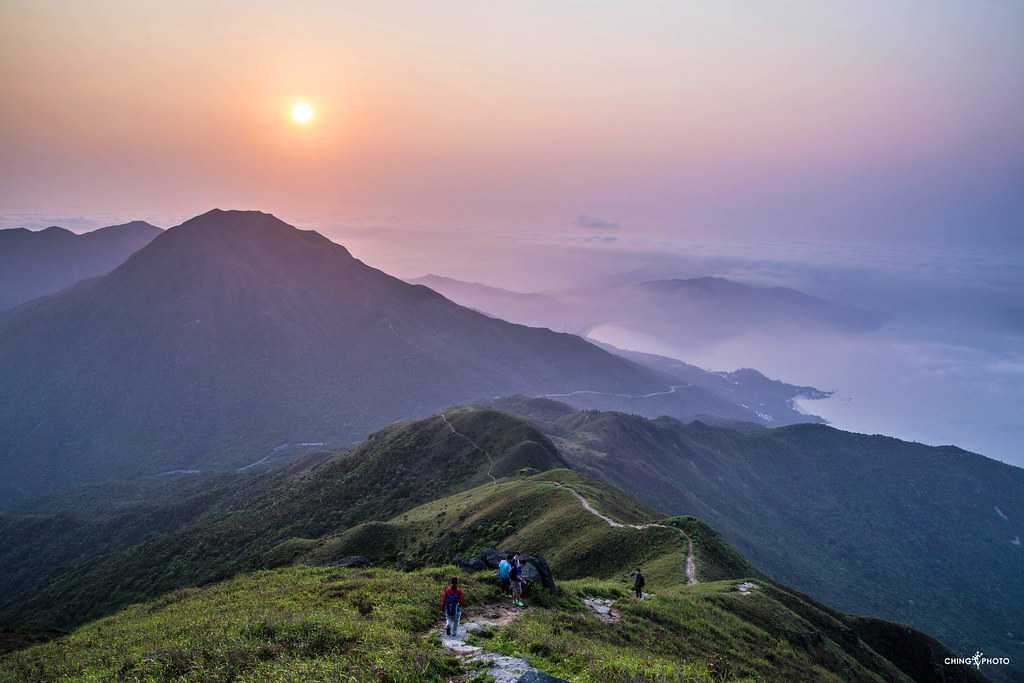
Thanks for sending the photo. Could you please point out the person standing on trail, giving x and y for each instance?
(504, 570)
(638, 584)
(516, 580)
(452, 602)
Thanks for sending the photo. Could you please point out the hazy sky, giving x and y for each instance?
(868, 120)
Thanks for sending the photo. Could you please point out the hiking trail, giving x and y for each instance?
(691, 563)
(474, 444)
(503, 668)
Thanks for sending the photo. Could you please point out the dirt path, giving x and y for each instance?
(691, 563)
(503, 668)
(474, 444)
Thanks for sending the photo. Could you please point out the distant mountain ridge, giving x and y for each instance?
(733, 307)
(233, 333)
(37, 263)
(744, 395)
(526, 309)
(771, 401)
(684, 313)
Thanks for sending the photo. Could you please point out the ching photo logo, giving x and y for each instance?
(978, 659)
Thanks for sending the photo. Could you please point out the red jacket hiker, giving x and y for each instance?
(449, 590)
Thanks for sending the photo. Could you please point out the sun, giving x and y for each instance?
(303, 113)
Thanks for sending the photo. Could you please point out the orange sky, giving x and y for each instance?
(661, 116)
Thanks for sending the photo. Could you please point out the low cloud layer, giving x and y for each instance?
(596, 223)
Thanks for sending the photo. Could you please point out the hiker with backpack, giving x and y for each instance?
(452, 602)
(516, 581)
(638, 584)
(504, 572)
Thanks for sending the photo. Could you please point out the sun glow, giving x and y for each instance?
(303, 113)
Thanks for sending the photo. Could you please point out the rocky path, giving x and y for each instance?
(602, 607)
(691, 563)
(474, 444)
(503, 668)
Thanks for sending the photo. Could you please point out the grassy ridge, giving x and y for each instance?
(309, 624)
(404, 498)
(394, 470)
(533, 515)
(296, 624)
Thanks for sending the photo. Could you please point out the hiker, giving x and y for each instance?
(638, 584)
(504, 570)
(516, 580)
(452, 601)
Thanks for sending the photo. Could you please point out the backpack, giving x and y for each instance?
(451, 603)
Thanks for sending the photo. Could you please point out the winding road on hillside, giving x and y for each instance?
(671, 390)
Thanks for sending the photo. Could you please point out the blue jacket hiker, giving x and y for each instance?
(504, 569)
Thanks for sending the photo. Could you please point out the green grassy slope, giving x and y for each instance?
(80, 525)
(310, 624)
(531, 515)
(394, 470)
(404, 497)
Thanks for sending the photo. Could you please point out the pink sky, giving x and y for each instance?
(692, 119)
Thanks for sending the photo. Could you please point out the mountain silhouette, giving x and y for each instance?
(234, 333)
(37, 263)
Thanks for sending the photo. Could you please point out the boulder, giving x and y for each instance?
(471, 565)
(536, 570)
(490, 557)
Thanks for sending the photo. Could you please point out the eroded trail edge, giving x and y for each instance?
(691, 563)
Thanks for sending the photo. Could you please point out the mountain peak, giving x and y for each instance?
(241, 332)
(243, 236)
(55, 230)
(234, 219)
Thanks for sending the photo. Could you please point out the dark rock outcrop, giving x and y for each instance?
(474, 564)
(536, 570)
